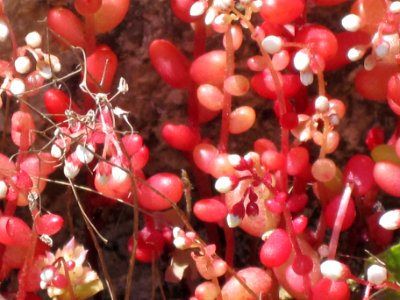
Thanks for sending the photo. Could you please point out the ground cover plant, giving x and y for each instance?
(277, 213)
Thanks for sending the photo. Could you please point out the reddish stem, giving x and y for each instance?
(226, 109)
(25, 270)
(344, 203)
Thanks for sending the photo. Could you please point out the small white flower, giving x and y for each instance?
(390, 220)
(351, 22)
(382, 49)
(70, 169)
(256, 5)
(211, 14)
(233, 221)
(123, 86)
(334, 120)
(118, 174)
(301, 60)
(356, 53)
(266, 235)
(394, 7)
(22, 64)
(3, 189)
(222, 4)
(224, 184)
(101, 178)
(252, 157)
(306, 78)
(369, 62)
(180, 242)
(333, 270)
(197, 9)
(47, 274)
(17, 86)
(85, 155)
(176, 232)
(376, 274)
(323, 250)
(321, 104)
(33, 39)
(4, 31)
(56, 151)
(234, 160)
(272, 44)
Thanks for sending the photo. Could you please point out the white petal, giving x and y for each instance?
(118, 174)
(197, 9)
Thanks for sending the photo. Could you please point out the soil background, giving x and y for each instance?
(151, 103)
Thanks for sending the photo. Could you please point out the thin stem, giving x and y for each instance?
(94, 235)
(25, 270)
(227, 104)
(230, 245)
(344, 203)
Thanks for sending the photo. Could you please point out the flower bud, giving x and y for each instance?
(233, 220)
(224, 184)
(4, 31)
(3, 189)
(118, 174)
(71, 169)
(272, 44)
(85, 154)
(394, 7)
(301, 60)
(334, 270)
(390, 220)
(22, 64)
(33, 39)
(351, 22)
(376, 274)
